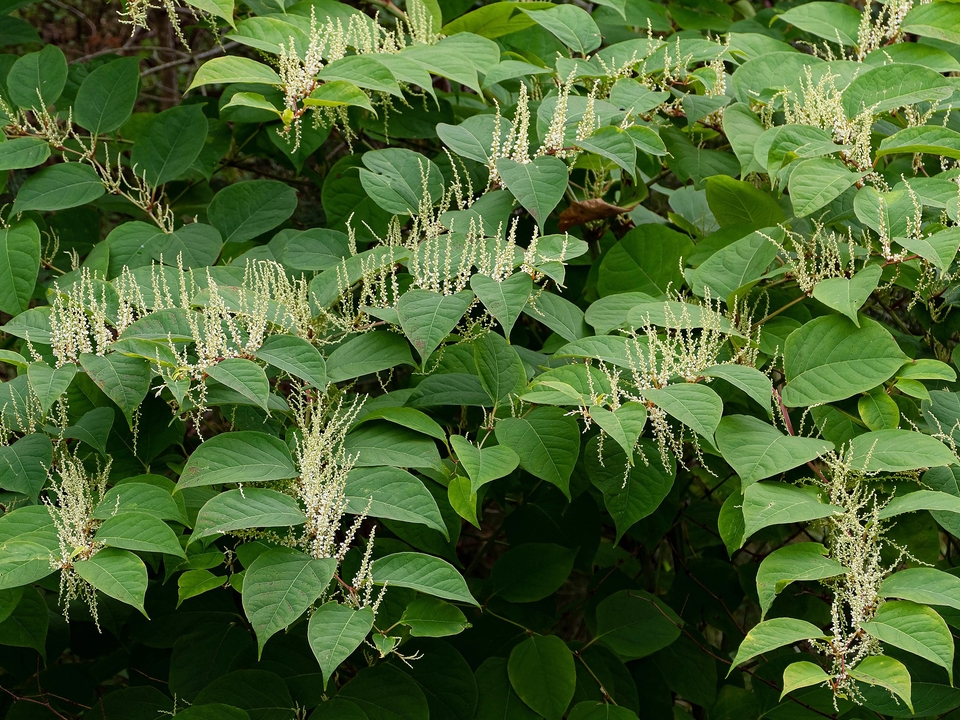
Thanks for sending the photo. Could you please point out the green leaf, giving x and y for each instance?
(21, 153)
(831, 21)
(614, 144)
(251, 100)
(878, 410)
(889, 87)
(117, 573)
(244, 210)
(377, 443)
(547, 442)
(234, 69)
(915, 628)
(624, 424)
(504, 299)
(560, 315)
(570, 24)
(93, 428)
(244, 376)
(425, 573)
(407, 417)
(929, 139)
(635, 624)
(630, 492)
(740, 263)
(484, 465)
(24, 464)
(430, 617)
(646, 260)
(27, 625)
(238, 457)
(696, 406)
(19, 265)
(772, 634)
(335, 631)
(247, 508)
(142, 496)
(140, 531)
(338, 93)
(860, 358)
(473, 138)
(940, 22)
(847, 296)
(538, 185)
(926, 586)
(169, 144)
(363, 71)
(596, 710)
(107, 95)
(542, 673)
(499, 367)
(750, 380)
(37, 79)
(58, 187)
(279, 586)
(817, 182)
(771, 503)
(400, 180)
(887, 673)
(125, 380)
(757, 450)
(385, 693)
(393, 494)
(940, 248)
(802, 674)
(366, 354)
(531, 571)
(218, 8)
(898, 450)
(799, 561)
(933, 500)
(428, 317)
(734, 202)
(196, 582)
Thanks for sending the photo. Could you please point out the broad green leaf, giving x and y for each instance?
(928, 139)
(630, 493)
(635, 624)
(495, 20)
(847, 296)
(473, 138)
(615, 145)
(431, 617)
(377, 443)
(927, 586)
(538, 185)
(338, 93)
(933, 500)
(19, 265)
(125, 380)
(734, 202)
(878, 410)
(363, 71)
(247, 508)
(400, 180)
(741, 262)
(142, 496)
(251, 100)
(170, 143)
(196, 582)
(407, 417)
(915, 628)
(58, 187)
(940, 248)
(624, 424)
(499, 367)
(560, 315)
(800, 675)
(645, 260)
(898, 450)
(425, 573)
(504, 299)
(799, 561)
(817, 182)
(939, 21)
(484, 465)
(24, 464)
(772, 503)
(107, 95)
(366, 354)
(887, 673)
(218, 8)
(894, 86)
(27, 624)
(858, 360)
(772, 634)
(140, 531)
(831, 21)
(335, 631)
(547, 442)
(428, 317)
(234, 69)
(244, 210)
(117, 573)
(22, 153)
(93, 428)
(37, 79)
(696, 406)
(571, 25)
(238, 457)
(750, 380)
(279, 586)
(385, 693)
(244, 376)
(393, 494)
(757, 450)
(542, 673)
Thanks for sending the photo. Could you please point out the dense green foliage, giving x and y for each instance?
(453, 359)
